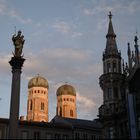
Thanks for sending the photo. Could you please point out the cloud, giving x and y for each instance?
(96, 10)
(70, 63)
(15, 15)
(5, 66)
(102, 24)
(63, 64)
(67, 53)
(86, 107)
(66, 29)
(85, 102)
(2, 8)
(134, 6)
(103, 6)
(88, 12)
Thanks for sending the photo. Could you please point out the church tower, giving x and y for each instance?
(112, 85)
(37, 107)
(66, 101)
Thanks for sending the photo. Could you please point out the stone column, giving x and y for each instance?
(16, 64)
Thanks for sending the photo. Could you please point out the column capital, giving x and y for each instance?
(16, 62)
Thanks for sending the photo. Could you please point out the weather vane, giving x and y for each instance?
(18, 42)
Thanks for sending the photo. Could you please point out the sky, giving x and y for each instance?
(64, 42)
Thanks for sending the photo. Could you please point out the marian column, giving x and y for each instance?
(16, 63)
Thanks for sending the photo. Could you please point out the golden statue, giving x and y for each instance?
(18, 42)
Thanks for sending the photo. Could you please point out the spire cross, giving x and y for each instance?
(110, 15)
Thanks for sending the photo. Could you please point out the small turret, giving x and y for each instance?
(136, 50)
(129, 57)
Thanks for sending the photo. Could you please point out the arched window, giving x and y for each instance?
(108, 67)
(139, 123)
(111, 132)
(42, 106)
(114, 67)
(115, 90)
(109, 93)
(31, 105)
(64, 110)
(60, 113)
(71, 113)
(119, 66)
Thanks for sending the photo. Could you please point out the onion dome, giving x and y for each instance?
(66, 90)
(38, 81)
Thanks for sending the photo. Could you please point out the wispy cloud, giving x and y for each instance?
(67, 53)
(5, 66)
(102, 24)
(65, 28)
(57, 61)
(85, 102)
(134, 6)
(103, 7)
(97, 10)
(86, 106)
(15, 15)
(4, 10)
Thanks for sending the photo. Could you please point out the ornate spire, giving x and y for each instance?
(136, 39)
(111, 46)
(129, 57)
(129, 50)
(110, 28)
(136, 49)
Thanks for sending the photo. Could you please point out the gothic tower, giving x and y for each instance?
(112, 85)
(37, 107)
(66, 101)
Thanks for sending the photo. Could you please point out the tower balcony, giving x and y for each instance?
(112, 109)
(112, 76)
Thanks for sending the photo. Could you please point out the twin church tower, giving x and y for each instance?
(37, 105)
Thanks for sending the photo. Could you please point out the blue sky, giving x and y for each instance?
(64, 41)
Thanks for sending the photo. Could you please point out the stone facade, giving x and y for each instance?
(58, 128)
(66, 106)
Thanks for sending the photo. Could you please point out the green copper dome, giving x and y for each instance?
(38, 81)
(66, 90)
